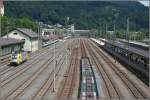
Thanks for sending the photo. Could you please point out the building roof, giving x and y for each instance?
(9, 41)
(81, 31)
(28, 32)
(140, 52)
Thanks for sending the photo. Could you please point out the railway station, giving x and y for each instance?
(76, 68)
(52, 61)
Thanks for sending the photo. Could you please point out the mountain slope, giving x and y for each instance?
(84, 14)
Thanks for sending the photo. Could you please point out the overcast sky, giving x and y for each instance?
(146, 2)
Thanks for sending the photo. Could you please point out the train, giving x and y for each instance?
(19, 57)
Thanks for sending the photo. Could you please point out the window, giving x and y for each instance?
(15, 33)
(6, 50)
(23, 39)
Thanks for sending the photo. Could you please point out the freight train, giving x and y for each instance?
(19, 57)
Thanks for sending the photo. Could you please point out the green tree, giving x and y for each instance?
(8, 24)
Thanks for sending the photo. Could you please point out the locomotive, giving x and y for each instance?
(19, 57)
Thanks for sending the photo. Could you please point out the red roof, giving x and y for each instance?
(52, 36)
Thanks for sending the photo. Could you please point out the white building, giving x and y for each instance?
(72, 28)
(1, 8)
(47, 32)
(30, 38)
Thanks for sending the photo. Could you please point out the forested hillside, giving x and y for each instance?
(84, 14)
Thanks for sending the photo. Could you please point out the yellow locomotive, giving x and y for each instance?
(19, 57)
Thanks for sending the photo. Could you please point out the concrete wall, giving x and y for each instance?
(34, 44)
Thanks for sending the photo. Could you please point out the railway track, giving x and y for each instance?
(68, 85)
(19, 71)
(5, 70)
(22, 68)
(37, 55)
(112, 92)
(132, 87)
(83, 51)
(49, 82)
(25, 83)
(88, 86)
(8, 68)
(105, 66)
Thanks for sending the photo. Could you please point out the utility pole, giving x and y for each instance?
(114, 34)
(127, 33)
(99, 30)
(114, 39)
(54, 76)
(106, 31)
(39, 35)
(7, 28)
(67, 23)
(95, 34)
(56, 60)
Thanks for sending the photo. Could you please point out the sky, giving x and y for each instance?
(145, 2)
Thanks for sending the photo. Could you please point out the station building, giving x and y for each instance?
(28, 36)
(9, 45)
